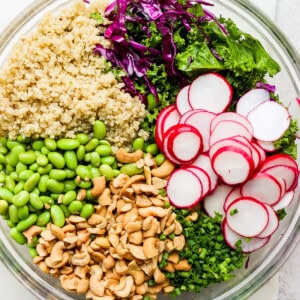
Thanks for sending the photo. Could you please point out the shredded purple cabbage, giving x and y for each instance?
(270, 88)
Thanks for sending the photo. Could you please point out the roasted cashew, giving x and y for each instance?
(81, 272)
(82, 286)
(174, 257)
(125, 157)
(135, 237)
(121, 267)
(137, 275)
(164, 170)
(80, 259)
(133, 226)
(149, 247)
(122, 291)
(131, 181)
(69, 282)
(97, 285)
(142, 201)
(59, 264)
(179, 242)
(57, 231)
(141, 289)
(102, 242)
(57, 252)
(183, 265)
(81, 195)
(31, 232)
(108, 262)
(105, 198)
(99, 184)
(152, 211)
(159, 183)
(159, 277)
(137, 251)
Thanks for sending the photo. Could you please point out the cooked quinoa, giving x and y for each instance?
(53, 85)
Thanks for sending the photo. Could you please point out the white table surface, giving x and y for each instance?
(285, 285)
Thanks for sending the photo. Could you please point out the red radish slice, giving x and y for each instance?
(227, 129)
(247, 245)
(231, 116)
(234, 194)
(201, 119)
(184, 189)
(211, 92)
(272, 224)
(171, 118)
(203, 162)
(247, 217)
(188, 114)
(165, 145)
(279, 159)
(185, 143)
(261, 152)
(263, 187)
(285, 201)
(214, 202)
(182, 100)
(288, 174)
(250, 100)
(232, 164)
(267, 146)
(269, 120)
(203, 177)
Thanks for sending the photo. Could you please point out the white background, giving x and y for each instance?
(285, 285)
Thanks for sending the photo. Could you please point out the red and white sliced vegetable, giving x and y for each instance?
(214, 202)
(211, 92)
(261, 152)
(263, 187)
(201, 120)
(267, 146)
(227, 129)
(250, 100)
(234, 194)
(285, 201)
(273, 223)
(269, 120)
(247, 245)
(279, 159)
(247, 216)
(184, 189)
(184, 143)
(232, 164)
(182, 100)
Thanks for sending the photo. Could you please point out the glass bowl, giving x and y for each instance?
(263, 263)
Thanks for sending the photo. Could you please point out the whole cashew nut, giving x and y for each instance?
(123, 156)
(124, 291)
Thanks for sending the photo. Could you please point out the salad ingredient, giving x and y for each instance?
(285, 201)
(267, 146)
(210, 92)
(241, 213)
(269, 120)
(182, 100)
(52, 85)
(273, 223)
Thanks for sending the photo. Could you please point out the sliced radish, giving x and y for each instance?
(272, 224)
(269, 120)
(250, 100)
(182, 100)
(285, 201)
(165, 146)
(279, 159)
(184, 143)
(267, 146)
(184, 189)
(201, 120)
(247, 217)
(263, 187)
(211, 92)
(234, 194)
(188, 114)
(247, 245)
(232, 164)
(231, 116)
(261, 152)
(226, 129)
(214, 202)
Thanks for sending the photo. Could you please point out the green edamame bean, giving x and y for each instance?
(138, 144)
(3, 150)
(2, 177)
(55, 196)
(10, 183)
(37, 145)
(99, 130)
(17, 236)
(95, 172)
(23, 139)
(34, 167)
(91, 145)
(70, 173)
(5, 194)
(84, 184)
(3, 207)
(116, 173)
(71, 159)
(12, 158)
(23, 212)
(151, 102)
(70, 185)
(47, 200)
(3, 141)
(19, 187)
(27, 158)
(9, 169)
(88, 157)
(58, 174)
(43, 219)
(14, 176)
(25, 175)
(45, 170)
(83, 172)
(107, 171)
(32, 182)
(32, 252)
(152, 149)
(21, 198)
(87, 210)
(95, 159)
(103, 150)
(57, 160)
(68, 197)
(159, 159)
(104, 142)
(45, 150)
(65, 211)
(10, 144)
(42, 185)
(2, 159)
(50, 144)
(35, 201)
(89, 196)
(67, 144)
(108, 160)
(20, 167)
(57, 215)
(131, 169)
(80, 152)
(36, 191)
(42, 160)
(28, 222)
(75, 207)
(13, 213)
(10, 224)
(82, 138)
(55, 186)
